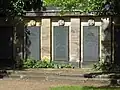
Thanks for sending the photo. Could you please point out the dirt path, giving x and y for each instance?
(39, 85)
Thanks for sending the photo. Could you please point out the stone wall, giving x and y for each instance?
(74, 37)
(45, 37)
(74, 41)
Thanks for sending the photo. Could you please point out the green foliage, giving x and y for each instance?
(81, 5)
(17, 7)
(66, 66)
(103, 66)
(31, 63)
(99, 6)
(106, 66)
(43, 64)
(84, 88)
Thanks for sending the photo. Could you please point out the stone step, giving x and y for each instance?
(41, 74)
(54, 71)
(56, 74)
(57, 77)
(50, 78)
(49, 72)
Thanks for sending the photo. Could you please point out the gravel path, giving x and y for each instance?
(12, 84)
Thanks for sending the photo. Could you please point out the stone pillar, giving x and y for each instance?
(74, 41)
(45, 38)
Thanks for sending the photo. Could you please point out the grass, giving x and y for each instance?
(84, 88)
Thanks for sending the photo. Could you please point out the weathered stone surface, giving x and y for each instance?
(105, 39)
(74, 40)
(45, 37)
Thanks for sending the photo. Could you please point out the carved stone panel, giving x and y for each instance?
(91, 43)
(34, 42)
(60, 43)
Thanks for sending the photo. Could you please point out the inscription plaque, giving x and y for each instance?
(91, 43)
(60, 43)
(34, 41)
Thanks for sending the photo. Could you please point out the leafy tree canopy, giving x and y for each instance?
(17, 7)
(100, 6)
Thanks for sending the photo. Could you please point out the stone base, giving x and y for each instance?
(88, 64)
(74, 64)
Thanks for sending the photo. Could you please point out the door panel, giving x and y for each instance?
(91, 43)
(60, 43)
(34, 42)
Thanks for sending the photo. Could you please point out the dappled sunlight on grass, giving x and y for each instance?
(84, 88)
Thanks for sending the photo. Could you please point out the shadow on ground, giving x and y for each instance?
(114, 77)
(4, 73)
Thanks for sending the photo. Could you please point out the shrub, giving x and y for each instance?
(45, 63)
(106, 67)
(46, 59)
(69, 66)
(66, 66)
(29, 63)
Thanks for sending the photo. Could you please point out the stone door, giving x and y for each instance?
(34, 42)
(91, 43)
(60, 43)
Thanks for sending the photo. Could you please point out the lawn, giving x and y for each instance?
(83, 88)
